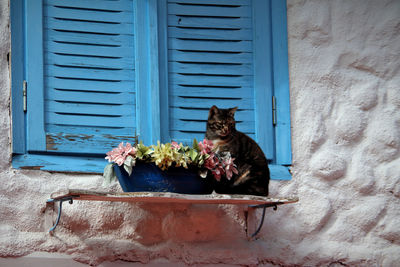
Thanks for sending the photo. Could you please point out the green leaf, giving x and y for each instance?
(196, 145)
(193, 154)
(108, 174)
(128, 169)
(129, 161)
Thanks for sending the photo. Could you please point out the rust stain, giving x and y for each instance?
(53, 140)
(31, 167)
(50, 143)
(75, 137)
(119, 137)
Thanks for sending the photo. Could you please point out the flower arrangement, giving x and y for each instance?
(201, 155)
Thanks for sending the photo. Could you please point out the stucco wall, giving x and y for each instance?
(345, 97)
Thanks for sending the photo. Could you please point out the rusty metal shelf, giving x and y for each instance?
(252, 202)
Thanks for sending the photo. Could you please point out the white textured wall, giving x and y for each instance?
(345, 96)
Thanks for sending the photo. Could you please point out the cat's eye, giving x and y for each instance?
(217, 125)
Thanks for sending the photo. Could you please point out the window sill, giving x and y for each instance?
(96, 165)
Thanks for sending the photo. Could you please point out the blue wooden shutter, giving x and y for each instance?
(213, 61)
(88, 75)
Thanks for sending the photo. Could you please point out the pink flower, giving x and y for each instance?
(206, 147)
(230, 168)
(175, 145)
(120, 153)
(211, 162)
(217, 174)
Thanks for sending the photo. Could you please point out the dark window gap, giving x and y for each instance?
(88, 115)
(91, 44)
(210, 75)
(209, 63)
(210, 51)
(195, 132)
(86, 79)
(193, 120)
(86, 32)
(208, 28)
(81, 55)
(87, 68)
(208, 4)
(89, 9)
(90, 21)
(87, 91)
(208, 16)
(89, 126)
(210, 86)
(210, 40)
(89, 103)
(216, 98)
(191, 108)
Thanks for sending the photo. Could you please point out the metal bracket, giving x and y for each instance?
(61, 200)
(264, 207)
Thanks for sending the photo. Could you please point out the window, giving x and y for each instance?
(95, 75)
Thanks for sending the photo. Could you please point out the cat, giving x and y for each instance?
(253, 171)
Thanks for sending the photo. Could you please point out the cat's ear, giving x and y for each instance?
(232, 111)
(213, 110)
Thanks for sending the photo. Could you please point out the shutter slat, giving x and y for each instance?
(98, 74)
(88, 50)
(242, 92)
(90, 97)
(213, 2)
(84, 120)
(186, 137)
(209, 45)
(85, 26)
(193, 102)
(214, 23)
(110, 131)
(212, 69)
(89, 62)
(213, 34)
(191, 125)
(195, 114)
(124, 40)
(89, 109)
(209, 11)
(72, 142)
(57, 11)
(119, 5)
(208, 57)
(204, 80)
(87, 85)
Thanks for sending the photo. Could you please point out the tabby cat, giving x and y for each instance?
(253, 172)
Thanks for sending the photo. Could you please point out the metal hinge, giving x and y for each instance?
(24, 101)
(273, 110)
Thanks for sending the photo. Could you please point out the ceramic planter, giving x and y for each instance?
(147, 177)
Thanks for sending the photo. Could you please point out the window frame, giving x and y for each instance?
(152, 118)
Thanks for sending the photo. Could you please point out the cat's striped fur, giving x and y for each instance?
(253, 177)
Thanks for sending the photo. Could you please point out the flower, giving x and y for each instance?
(120, 153)
(162, 155)
(221, 164)
(175, 145)
(206, 146)
(229, 167)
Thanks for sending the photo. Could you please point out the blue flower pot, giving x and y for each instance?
(147, 177)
